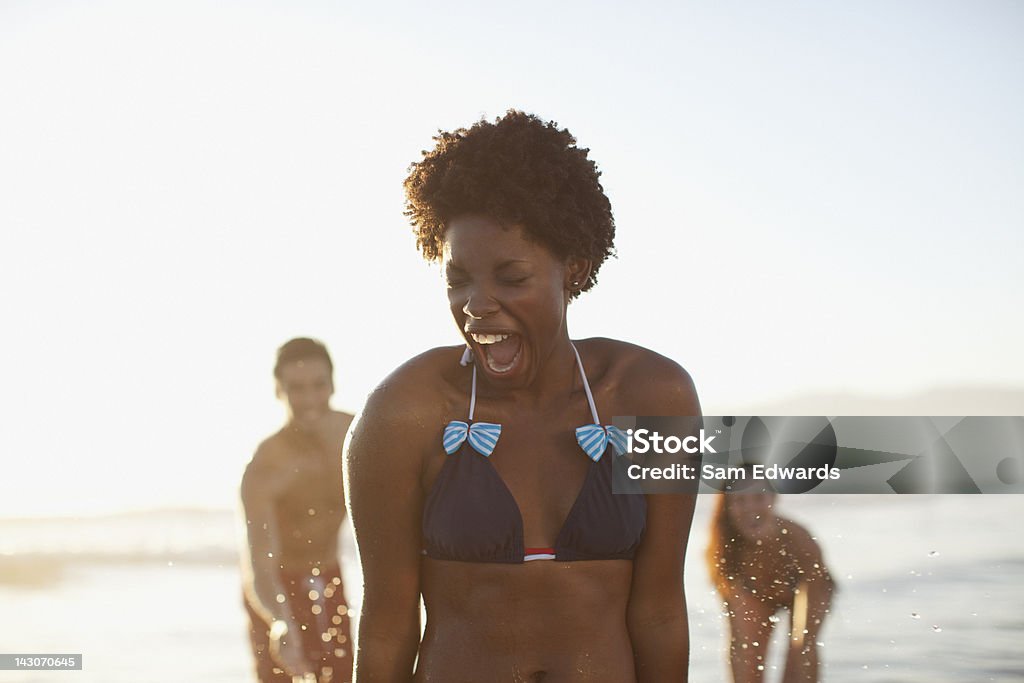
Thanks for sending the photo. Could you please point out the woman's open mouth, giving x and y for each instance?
(500, 351)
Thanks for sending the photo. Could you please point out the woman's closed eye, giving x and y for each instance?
(515, 280)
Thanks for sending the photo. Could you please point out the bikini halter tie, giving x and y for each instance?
(483, 436)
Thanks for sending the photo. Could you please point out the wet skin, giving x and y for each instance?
(295, 473)
(781, 568)
(293, 501)
(612, 620)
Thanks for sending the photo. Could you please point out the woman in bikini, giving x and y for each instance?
(479, 476)
(762, 563)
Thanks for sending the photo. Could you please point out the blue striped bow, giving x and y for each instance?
(483, 436)
(594, 439)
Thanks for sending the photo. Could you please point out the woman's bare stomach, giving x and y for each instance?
(540, 621)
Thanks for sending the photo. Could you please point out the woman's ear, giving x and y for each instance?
(577, 273)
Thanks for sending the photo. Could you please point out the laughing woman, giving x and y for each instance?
(480, 475)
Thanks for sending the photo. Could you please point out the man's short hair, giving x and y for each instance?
(301, 348)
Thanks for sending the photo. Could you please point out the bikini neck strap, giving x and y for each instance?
(466, 358)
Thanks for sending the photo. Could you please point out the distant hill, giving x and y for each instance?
(943, 400)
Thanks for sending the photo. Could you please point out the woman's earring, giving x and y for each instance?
(575, 284)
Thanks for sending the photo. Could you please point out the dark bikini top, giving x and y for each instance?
(471, 516)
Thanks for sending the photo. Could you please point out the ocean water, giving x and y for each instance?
(931, 589)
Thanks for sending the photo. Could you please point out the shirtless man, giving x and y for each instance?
(294, 504)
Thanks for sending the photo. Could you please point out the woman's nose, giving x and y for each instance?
(478, 306)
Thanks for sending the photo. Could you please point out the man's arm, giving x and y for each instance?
(261, 564)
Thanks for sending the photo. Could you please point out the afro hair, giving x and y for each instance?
(521, 171)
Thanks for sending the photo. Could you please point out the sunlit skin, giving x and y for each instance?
(609, 620)
(491, 290)
(780, 568)
(294, 471)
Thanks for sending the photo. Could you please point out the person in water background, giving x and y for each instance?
(762, 563)
(479, 476)
(293, 499)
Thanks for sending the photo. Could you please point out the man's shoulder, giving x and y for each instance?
(270, 458)
(339, 422)
(340, 418)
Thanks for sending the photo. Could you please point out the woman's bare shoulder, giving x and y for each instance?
(415, 398)
(803, 547)
(648, 382)
(423, 376)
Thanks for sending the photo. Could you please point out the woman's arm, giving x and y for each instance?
(656, 615)
(811, 602)
(750, 630)
(383, 459)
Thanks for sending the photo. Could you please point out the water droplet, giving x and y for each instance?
(936, 629)
(313, 595)
(774, 619)
(280, 598)
(270, 554)
(915, 615)
(311, 512)
(934, 553)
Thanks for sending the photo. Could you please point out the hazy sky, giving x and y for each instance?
(809, 196)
